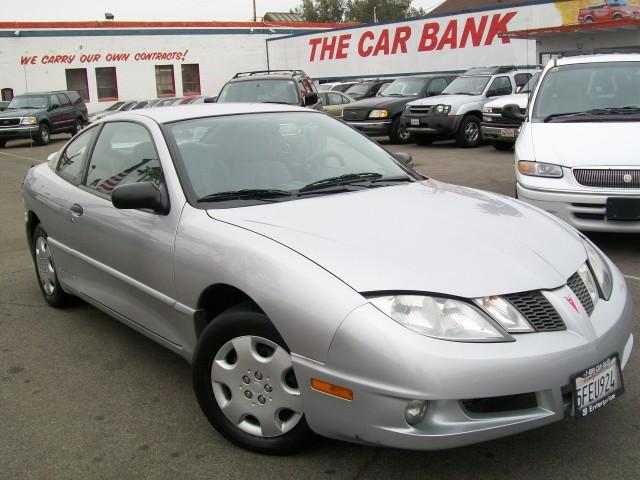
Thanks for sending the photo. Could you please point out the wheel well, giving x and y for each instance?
(474, 113)
(32, 222)
(46, 122)
(216, 299)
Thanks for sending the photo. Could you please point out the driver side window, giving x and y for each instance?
(124, 153)
(500, 86)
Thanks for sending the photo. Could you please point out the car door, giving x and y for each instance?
(127, 254)
(56, 114)
(66, 110)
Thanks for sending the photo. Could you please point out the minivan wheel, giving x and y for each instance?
(46, 270)
(244, 380)
(468, 134)
(398, 133)
(43, 137)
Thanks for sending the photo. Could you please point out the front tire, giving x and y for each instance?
(398, 133)
(245, 384)
(46, 270)
(77, 127)
(468, 134)
(43, 137)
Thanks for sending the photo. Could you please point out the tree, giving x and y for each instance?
(323, 11)
(363, 10)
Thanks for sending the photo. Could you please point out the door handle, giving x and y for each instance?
(76, 210)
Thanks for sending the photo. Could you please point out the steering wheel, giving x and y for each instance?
(320, 159)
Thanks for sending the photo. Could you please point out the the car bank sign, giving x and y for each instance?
(446, 43)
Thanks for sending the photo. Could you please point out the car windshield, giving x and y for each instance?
(531, 84)
(405, 87)
(28, 101)
(115, 106)
(281, 152)
(588, 88)
(262, 91)
(471, 85)
(358, 89)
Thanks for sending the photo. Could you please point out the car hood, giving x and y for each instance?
(586, 144)
(424, 236)
(379, 102)
(21, 112)
(447, 100)
(520, 99)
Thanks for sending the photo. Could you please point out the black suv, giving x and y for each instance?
(292, 87)
(38, 115)
(380, 115)
(367, 88)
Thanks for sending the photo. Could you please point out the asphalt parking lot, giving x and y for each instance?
(83, 396)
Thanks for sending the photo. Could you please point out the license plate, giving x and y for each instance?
(508, 132)
(623, 208)
(415, 122)
(597, 386)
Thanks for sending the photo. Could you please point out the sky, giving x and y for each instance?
(123, 10)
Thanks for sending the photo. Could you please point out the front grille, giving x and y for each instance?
(354, 114)
(537, 310)
(607, 178)
(421, 109)
(578, 287)
(9, 122)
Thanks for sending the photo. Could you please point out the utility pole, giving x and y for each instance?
(255, 17)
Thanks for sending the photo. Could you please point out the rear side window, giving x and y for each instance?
(74, 97)
(335, 99)
(63, 99)
(70, 163)
(124, 153)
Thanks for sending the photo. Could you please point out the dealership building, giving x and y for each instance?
(107, 61)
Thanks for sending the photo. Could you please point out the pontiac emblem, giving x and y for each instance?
(627, 178)
(572, 302)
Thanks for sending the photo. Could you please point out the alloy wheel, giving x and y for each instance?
(472, 132)
(44, 263)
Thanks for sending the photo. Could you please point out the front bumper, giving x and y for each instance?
(387, 366)
(372, 127)
(443, 126)
(502, 133)
(585, 211)
(27, 131)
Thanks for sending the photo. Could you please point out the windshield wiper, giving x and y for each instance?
(399, 179)
(341, 180)
(594, 113)
(246, 194)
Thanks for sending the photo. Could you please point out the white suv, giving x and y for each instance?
(457, 111)
(577, 152)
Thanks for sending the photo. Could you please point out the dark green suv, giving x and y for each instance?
(38, 115)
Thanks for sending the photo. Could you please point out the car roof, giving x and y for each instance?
(609, 57)
(264, 77)
(46, 93)
(184, 112)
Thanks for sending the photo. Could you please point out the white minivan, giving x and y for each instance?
(578, 152)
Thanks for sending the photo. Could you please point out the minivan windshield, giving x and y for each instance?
(405, 87)
(261, 91)
(28, 101)
(469, 85)
(277, 156)
(603, 91)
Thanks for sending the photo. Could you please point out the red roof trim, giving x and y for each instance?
(111, 24)
(577, 27)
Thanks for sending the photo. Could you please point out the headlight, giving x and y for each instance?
(443, 108)
(505, 314)
(442, 318)
(486, 109)
(537, 169)
(29, 121)
(587, 278)
(600, 269)
(378, 114)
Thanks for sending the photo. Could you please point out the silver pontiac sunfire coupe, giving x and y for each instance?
(266, 244)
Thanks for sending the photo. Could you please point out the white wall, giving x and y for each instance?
(219, 56)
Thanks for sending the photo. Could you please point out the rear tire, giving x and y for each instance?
(468, 134)
(78, 125)
(398, 133)
(421, 139)
(502, 146)
(246, 386)
(46, 270)
(43, 137)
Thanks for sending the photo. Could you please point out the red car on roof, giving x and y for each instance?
(608, 11)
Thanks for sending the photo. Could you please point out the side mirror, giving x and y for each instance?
(53, 107)
(404, 158)
(210, 99)
(512, 112)
(143, 195)
(310, 99)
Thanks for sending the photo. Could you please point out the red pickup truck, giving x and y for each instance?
(608, 11)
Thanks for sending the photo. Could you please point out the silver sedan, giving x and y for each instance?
(267, 245)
